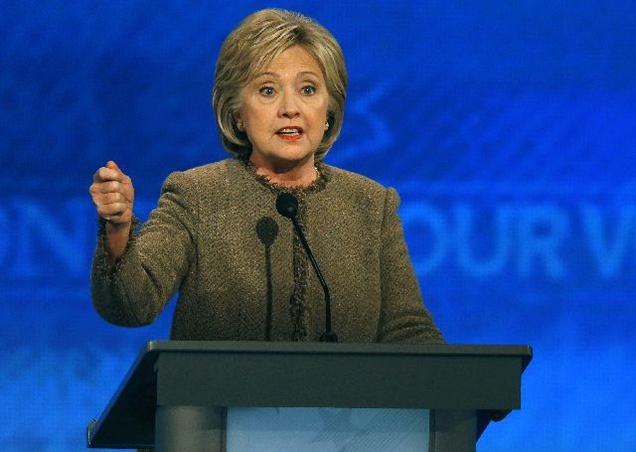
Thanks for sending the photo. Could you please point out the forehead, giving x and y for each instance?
(293, 61)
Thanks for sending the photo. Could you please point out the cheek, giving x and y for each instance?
(252, 110)
(325, 109)
(255, 120)
(319, 111)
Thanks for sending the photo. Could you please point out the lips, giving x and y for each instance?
(291, 130)
(290, 133)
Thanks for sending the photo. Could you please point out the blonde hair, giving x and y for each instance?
(251, 47)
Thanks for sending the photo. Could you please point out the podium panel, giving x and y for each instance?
(326, 430)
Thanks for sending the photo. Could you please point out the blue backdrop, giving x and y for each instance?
(507, 127)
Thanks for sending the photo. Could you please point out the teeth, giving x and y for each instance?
(289, 131)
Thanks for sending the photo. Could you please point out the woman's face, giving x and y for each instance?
(284, 110)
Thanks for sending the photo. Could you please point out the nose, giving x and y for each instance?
(288, 106)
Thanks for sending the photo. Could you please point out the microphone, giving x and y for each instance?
(267, 230)
(287, 206)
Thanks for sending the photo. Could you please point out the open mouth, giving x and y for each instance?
(290, 132)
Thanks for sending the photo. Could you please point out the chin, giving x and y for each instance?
(293, 155)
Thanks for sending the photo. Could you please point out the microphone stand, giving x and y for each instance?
(287, 205)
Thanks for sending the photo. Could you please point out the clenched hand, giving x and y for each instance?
(113, 195)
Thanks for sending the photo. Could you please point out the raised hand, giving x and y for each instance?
(113, 194)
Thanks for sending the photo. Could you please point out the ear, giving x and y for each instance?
(238, 121)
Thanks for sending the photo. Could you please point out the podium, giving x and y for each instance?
(177, 393)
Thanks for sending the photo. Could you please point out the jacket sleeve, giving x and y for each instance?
(134, 290)
(403, 316)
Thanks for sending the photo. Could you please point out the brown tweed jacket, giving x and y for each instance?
(217, 239)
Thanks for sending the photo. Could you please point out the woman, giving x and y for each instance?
(216, 236)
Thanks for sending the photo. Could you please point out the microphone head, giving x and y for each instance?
(267, 230)
(287, 205)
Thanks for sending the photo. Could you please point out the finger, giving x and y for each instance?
(109, 198)
(122, 176)
(107, 174)
(112, 210)
(112, 186)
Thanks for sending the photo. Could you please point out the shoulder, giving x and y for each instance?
(212, 174)
(209, 171)
(356, 183)
(361, 190)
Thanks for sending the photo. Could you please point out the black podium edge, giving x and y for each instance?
(151, 350)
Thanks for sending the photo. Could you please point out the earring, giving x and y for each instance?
(326, 125)
(239, 125)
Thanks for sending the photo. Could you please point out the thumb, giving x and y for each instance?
(112, 165)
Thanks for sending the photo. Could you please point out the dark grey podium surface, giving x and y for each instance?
(464, 386)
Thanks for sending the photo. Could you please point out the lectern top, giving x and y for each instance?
(340, 348)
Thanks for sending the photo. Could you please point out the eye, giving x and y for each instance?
(267, 91)
(309, 90)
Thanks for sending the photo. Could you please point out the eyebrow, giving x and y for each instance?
(275, 75)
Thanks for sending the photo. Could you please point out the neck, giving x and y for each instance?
(290, 174)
